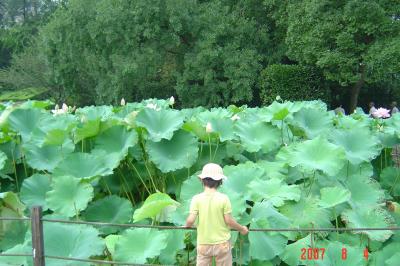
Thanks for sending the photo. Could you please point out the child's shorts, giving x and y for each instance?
(222, 253)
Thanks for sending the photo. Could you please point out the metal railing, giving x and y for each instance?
(38, 252)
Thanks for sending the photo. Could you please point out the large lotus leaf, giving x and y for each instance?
(160, 124)
(365, 192)
(16, 260)
(9, 200)
(265, 210)
(380, 257)
(111, 240)
(175, 242)
(69, 195)
(55, 129)
(265, 245)
(274, 169)
(238, 176)
(3, 159)
(313, 122)
(257, 135)
(66, 240)
(178, 152)
(116, 139)
(365, 217)
(11, 232)
(306, 213)
(137, 245)
(24, 121)
(86, 165)
(333, 255)
(332, 196)
(359, 145)
(34, 189)
(393, 260)
(190, 187)
(218, 153)
(292, 253)
(86, 130)
(111, 209)
(318, 154)
(390, 180)
(95, 112)
(274, 190)
(46, 157)
(220, 122)
(279, 111)
(153, 206)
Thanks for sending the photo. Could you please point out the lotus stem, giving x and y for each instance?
(336, 219)
(151, 177)
(311, 184)
(107, 187)
(394, 184)
(140, 177)
(209, 144)
(15, 170)
(216, 149)
(124, 183)
(282, 131)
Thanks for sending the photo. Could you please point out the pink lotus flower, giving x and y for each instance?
(381, 113)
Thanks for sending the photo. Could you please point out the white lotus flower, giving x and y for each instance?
(57, 111)
(235, 117)
(381, 113)
(171, 100)
(56, 107)
(83, 119)
(64, 107)
(209, 128)
(122, 101)
(153, 106)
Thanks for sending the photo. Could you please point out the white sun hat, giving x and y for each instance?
(212, 170)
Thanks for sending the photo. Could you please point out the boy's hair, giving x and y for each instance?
(211, 183)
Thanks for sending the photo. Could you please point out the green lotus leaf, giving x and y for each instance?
(218, 154)
(279, 111)
(86, 165)
(390, 180)
(292, 253)
(10, 202)
(258, 135)
(175, 242)
(380, 257)
(332, 196)
(46, 157)
(24, 121)
(69, 195)
(54, 130)
(273, 190)
(220, 121)
(66, 240)
(318, 154)
(111, 209)
(274, 170)
(365, 192)
(116, 139)
(153, 206)
(365, 217)
(137, 245)
(160, 124)
(265, 210)
(16, 260)
(111, 240)
(359, 145)
(393, 260)
(178, 152)
(34, 189)
(306, 213)
(197, 129)
(95, 112)
(313, 122)
(265, 245)
(333, 255)
(240, 175)
(190, 187)
(86, 130)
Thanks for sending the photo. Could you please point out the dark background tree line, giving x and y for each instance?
(209, 52)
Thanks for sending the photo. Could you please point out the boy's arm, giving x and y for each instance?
(190, 220)
(230, 221)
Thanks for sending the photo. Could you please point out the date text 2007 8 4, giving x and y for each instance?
(318, 253)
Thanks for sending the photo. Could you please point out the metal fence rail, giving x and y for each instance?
(39, 255)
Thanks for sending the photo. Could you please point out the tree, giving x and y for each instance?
(348, 40)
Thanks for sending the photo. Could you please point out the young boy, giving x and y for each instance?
(214, 211)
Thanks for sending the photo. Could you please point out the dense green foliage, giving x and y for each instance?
(208, 53)
(289, 165)
(293, 83)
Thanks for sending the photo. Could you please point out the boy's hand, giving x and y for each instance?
(244, 230)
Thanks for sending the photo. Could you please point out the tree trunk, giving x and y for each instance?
(355, 90)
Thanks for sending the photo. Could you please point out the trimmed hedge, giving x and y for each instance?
(292, 83)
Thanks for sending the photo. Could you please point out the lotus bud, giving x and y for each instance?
(65, 108)
(278, 98)
(235, 117)
(56, 107)
(209, 128)
(122, 101)
(83, 119)
(171, 100)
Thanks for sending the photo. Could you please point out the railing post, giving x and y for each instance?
(37, 236)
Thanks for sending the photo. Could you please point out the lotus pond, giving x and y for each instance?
(289, 165)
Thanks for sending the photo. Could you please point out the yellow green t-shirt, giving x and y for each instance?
(210, 208)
